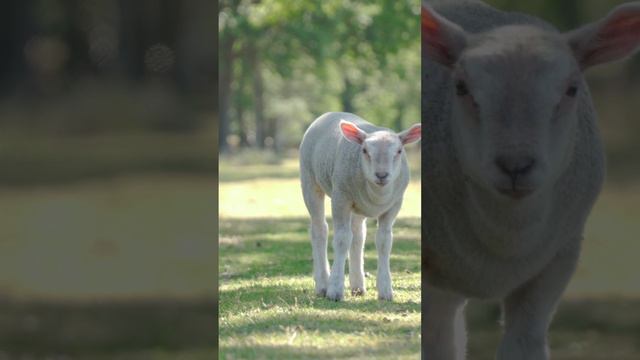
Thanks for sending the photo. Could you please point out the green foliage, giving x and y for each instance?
(315, 57)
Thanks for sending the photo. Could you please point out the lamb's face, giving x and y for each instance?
(380, 151)
(380, 157)
(514, 109)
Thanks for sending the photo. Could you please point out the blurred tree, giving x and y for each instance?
(332, 46)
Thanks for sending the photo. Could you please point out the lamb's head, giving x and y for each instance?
(515, 93)
(380, 151)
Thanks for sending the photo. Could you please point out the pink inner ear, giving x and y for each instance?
(351, 132)
(414, 134)
(616, 39)
(431, 37)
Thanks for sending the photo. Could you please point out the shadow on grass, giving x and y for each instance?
(85, 329)
(392, 350)
(267, 289)
(265, 297)
(281, 247)
(43, 160)
(581, 329)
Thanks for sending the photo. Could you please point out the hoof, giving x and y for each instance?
(321, 292)
(334, 295)
(357, 292)
(386, 296)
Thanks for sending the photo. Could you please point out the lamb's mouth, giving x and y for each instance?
(515, 192)
(381, 182)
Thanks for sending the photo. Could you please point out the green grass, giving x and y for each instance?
(122, 268)
(108, 329)
(268, 309)
(40, 159)
(583, 329)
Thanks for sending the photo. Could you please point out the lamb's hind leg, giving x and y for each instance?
(356, 255)
(314, 200)
(342, 236)
(444, 326)
(384, 243)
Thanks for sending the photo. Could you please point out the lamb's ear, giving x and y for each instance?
(352, 133)
(442, 40)
(612, 38)
(413, 134)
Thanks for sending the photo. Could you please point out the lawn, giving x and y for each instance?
(112, 268)
(268, 309)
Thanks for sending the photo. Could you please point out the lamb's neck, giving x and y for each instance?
(379, 194)
(507, 228)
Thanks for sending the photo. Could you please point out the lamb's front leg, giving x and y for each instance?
(342, 236)
(356, 255)
(528, 310)
(443, 325)
(384, 243)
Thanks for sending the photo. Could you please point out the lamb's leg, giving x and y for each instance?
(341, 212)
(528, 310)
(443, 325)
(314, 200)
(356, 255)
(384, 243)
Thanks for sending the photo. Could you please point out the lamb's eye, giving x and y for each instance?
(572, 91)
(399, 151)
(364, 151)
(461, 88)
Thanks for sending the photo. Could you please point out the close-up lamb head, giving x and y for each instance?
(381, 151)
(515, 90)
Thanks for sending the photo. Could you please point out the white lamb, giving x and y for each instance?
(363, 169)
(513, 164)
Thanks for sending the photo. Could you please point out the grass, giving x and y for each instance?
(132, 329)
(121, 268)
(268, 309)
(583, 329)
(40, 159)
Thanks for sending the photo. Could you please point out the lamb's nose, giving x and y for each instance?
(515, 166)
(382, 175)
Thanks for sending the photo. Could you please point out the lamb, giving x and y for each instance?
(363, 169)
(512, 165)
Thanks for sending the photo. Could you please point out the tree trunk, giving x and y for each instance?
(347, 95)
(397, 123)
(258, 94)
(224, 92)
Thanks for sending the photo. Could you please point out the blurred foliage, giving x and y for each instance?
(100, 88)
(89, 67)
(282, 64)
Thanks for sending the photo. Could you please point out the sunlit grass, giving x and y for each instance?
(124, 237)
(268, 309)
(267, 291)
(262, 198)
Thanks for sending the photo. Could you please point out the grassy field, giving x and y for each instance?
(116, 268)
(268, 309)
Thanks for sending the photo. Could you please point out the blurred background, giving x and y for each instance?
(282, 64)
(107, 193)
(599, 315)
